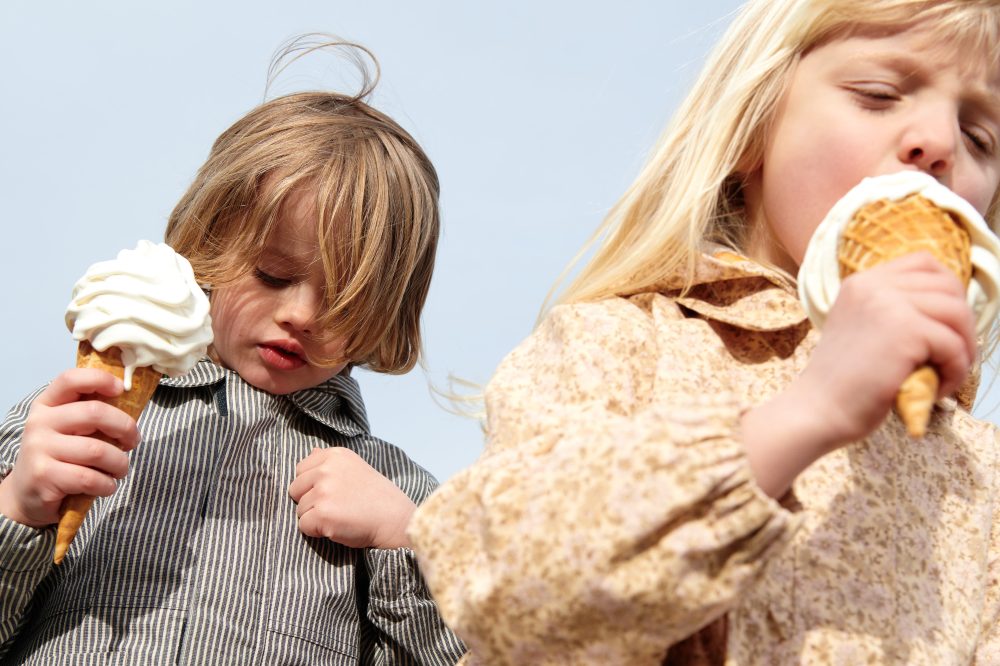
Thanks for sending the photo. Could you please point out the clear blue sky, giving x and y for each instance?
(536, 114)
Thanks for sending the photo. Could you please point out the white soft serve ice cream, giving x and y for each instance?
(149, 305)
(819, 274)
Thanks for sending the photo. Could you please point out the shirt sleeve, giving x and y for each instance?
(25, 552)
(612, 514)
(408, 626)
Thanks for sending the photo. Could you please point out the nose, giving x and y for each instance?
(930, 142)
(297, 307)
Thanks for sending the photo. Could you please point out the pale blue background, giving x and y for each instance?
(537, 116)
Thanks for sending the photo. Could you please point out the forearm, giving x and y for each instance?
(782, 437)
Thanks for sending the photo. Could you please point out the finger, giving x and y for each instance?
(929, 282)
(931, 278)
(918, 261)
(305, 504)
(950, 356)
(315, 458)
(79, 382)
(309, 524)
(301, 485)
(954, 314)
(90, 417)
(90, 452)
(79, 480)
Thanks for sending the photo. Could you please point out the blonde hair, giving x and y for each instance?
(376, 202)
(691, 189)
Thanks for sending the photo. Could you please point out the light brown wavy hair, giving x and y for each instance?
(376, 204)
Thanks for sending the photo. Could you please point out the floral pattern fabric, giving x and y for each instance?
(613, 518)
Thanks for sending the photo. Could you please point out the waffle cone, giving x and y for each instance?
(884, 230)
(132, 402)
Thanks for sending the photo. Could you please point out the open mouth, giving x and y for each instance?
(280, 357)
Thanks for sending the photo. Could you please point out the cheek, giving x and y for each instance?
(804, 182)
(981, 194)
(221, 307)
(334, 348)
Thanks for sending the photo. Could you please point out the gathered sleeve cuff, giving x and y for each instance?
(617, 525)
(400, 607)
(25, 549)
(25, 559)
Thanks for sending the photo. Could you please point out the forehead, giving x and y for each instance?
(295, 236)
(970, 51)
(927, 50)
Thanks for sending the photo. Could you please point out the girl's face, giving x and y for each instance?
(868, 106)
(265, 323)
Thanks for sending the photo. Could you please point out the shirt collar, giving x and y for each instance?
(738, 291)
(335, 403)
(732, 289)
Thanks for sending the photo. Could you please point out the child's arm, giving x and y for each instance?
(614, 512)
(26, 552)
(886, 321)
(341, 497)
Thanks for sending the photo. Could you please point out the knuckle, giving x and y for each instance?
(93, 450)
(92, 409)
(38, 469)
(81, 478)
(120, 465)
(49, 495)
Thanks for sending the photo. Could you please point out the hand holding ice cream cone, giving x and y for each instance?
(888, 217)
(138, 317)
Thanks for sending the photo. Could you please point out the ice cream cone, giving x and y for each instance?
(886, 229)
(132, 402)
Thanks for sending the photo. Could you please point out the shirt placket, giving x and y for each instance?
(228, 595)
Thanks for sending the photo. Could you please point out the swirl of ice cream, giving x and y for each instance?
(819, 274)
(148, 304)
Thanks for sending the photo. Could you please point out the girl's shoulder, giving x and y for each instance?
(614, 325)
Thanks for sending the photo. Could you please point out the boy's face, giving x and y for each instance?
(868, 106)
(265, 323)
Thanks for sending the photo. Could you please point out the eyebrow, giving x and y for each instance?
(986, 98)
(902, 63)
(987, 101)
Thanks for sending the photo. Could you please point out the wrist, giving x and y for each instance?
(397, 536)
(10, 508)
(782, 437)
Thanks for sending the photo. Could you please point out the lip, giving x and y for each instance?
(282, 354)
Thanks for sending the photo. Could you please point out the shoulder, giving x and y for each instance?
(576, 338)
(616, 316)
(595, 353)
(611, 324)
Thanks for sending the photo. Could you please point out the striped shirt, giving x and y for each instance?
(197, 557)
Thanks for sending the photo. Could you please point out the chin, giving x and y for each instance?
(264, 381)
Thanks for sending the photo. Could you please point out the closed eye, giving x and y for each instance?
(271, 280)
(874, 96)
(979, 139)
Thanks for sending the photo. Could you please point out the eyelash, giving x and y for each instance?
(880, 100)
(270, 280)
(874, 99)
(980, 143)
